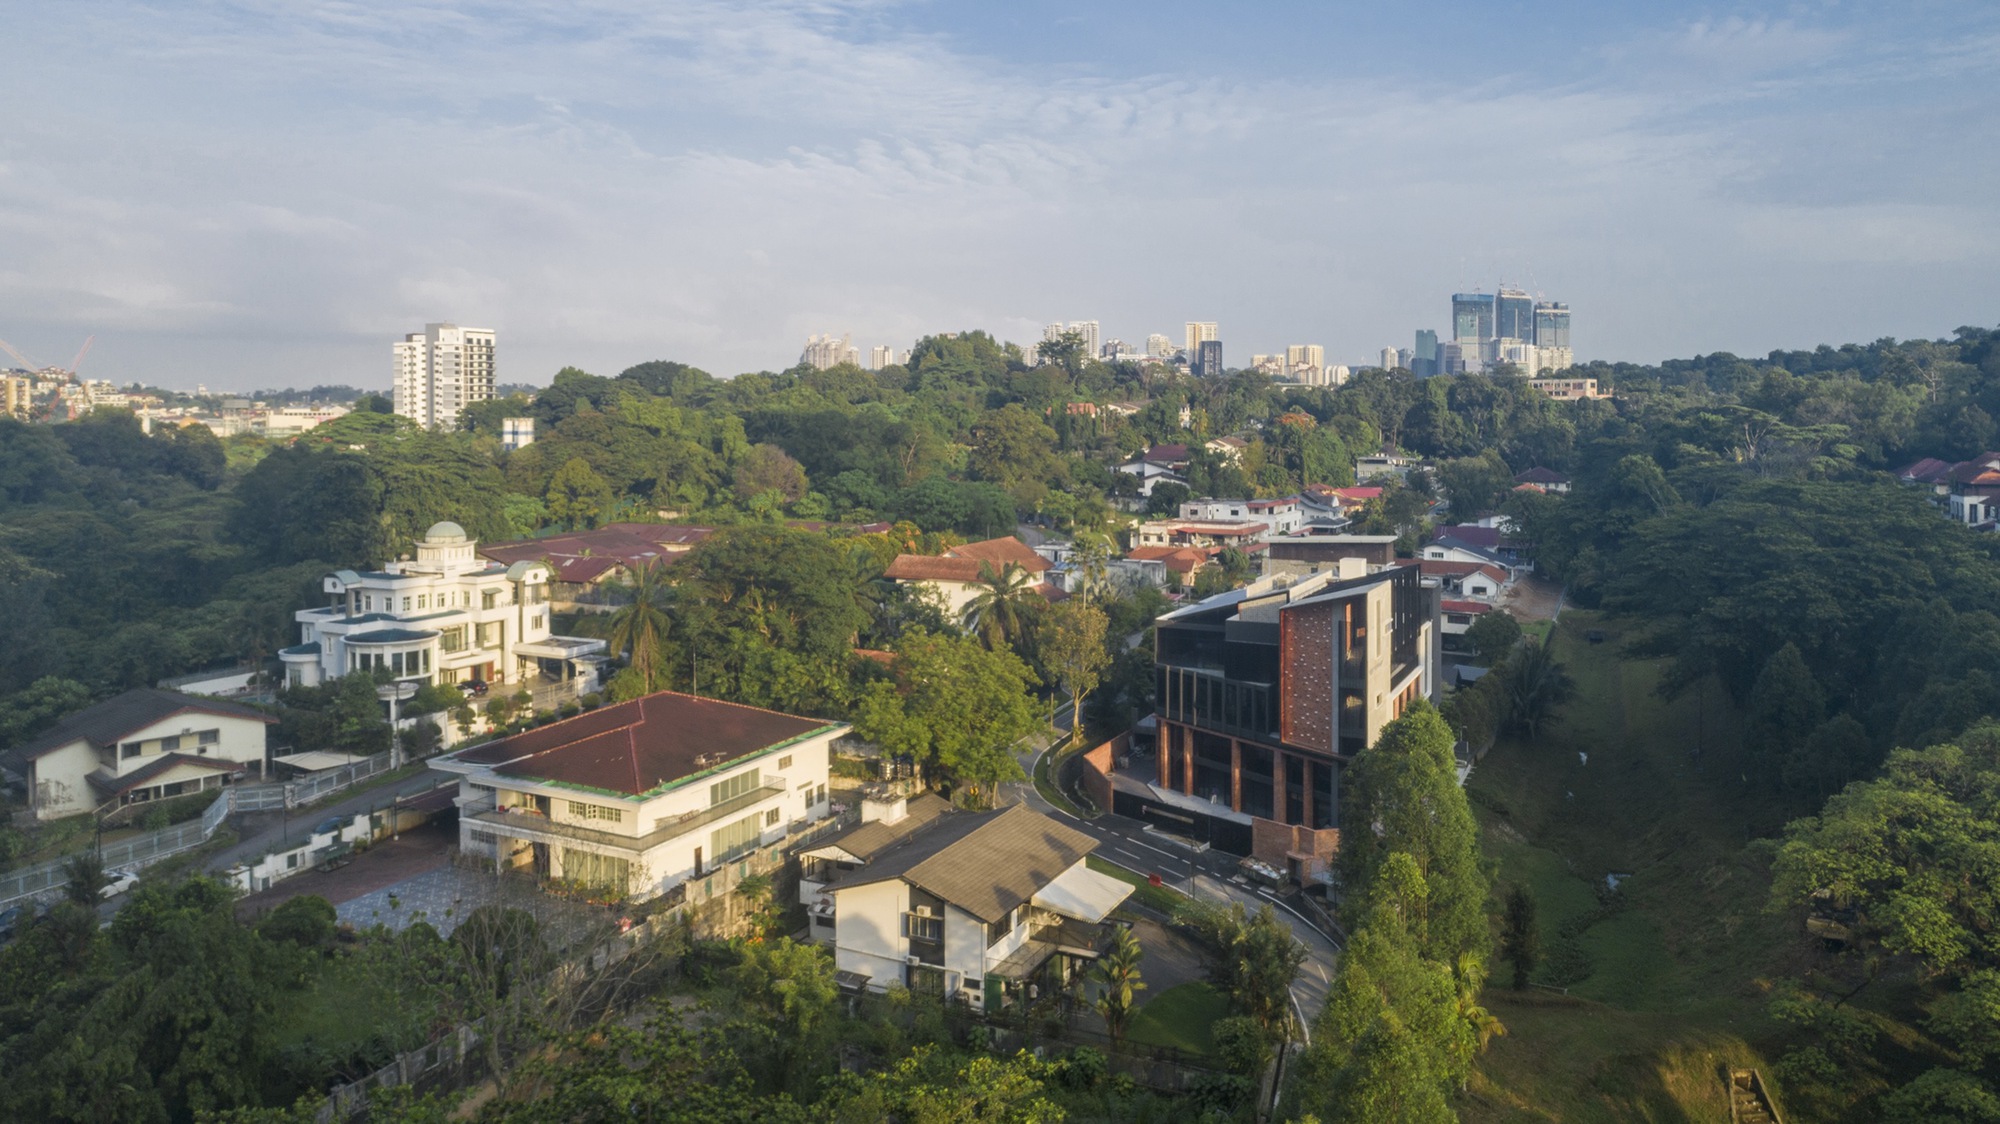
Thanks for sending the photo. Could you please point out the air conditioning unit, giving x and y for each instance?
(912, 961)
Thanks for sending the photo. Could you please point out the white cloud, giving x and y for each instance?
(714, 181)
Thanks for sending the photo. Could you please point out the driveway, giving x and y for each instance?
(386, 864)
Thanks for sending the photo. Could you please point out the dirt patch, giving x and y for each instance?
(385, 864)
(1532, 598)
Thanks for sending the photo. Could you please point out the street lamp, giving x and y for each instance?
(394, 694)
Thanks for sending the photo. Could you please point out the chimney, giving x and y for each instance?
(883, 807)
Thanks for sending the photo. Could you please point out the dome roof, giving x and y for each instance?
(445, 532)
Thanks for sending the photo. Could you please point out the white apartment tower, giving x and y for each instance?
(1088, 329)
(442, 370)
(1198, 333)
(1159, 347)
(823, 352)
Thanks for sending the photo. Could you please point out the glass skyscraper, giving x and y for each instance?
(1515, 315)
(1471, 317)
(1551, 324)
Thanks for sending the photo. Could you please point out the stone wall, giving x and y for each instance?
(1276, 843)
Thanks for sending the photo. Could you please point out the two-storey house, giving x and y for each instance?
(641, 797)
(447, 616)
(142, 745)
(977, 906)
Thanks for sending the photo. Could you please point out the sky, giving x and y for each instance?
(260, 193)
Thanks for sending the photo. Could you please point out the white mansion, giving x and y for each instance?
(450, 616)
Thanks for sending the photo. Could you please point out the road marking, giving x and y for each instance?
(1154, 849)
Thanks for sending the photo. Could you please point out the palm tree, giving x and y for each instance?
(1536, 686)
(1471, 978)
(640, 626)
(1092, 565)
(867, 586)
(1005, 604)
(1118, 971)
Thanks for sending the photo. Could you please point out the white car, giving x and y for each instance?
(120, 881)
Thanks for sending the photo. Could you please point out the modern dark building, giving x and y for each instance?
(1266, 693)
(1424, 357)
(1552, 324)
(1208, 359)
(1471, 317)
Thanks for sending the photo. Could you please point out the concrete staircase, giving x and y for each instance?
(1749, 1101)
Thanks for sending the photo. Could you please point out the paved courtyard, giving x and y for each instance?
(442, 896)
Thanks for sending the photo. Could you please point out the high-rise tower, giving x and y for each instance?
(442, 370)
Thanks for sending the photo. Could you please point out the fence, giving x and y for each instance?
(136, 852)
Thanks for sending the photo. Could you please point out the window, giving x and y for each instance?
(584, 811)
(538, 622)
(771, 818)
(406, 604)
(785, 762)
(423, 600)
(733, 787)
(208, 737)
(128, 751)
(487, 597)
(820, 796)
(739, 838)
(922, 926)
(170, 744)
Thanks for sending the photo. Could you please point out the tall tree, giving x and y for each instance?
(952, 706)
(1537, 687)
(577, 496)
(1071, 645)
(639, 627)
(1406, 785)
(1520, 937)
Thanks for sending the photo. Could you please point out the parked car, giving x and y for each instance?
(331, 826)
(10, 921)
(474, 687)
(120, 881)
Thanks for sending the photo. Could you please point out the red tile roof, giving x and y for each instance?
(1433, 568)
(963, 563)
(1540, 475)
(1180, 559)
(636, 747)
(584, 556)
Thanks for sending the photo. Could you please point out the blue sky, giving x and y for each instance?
(262, 193)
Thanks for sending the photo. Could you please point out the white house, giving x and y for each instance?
(448, 617)
(640, 797)
(1280, 516)
(143, 745)
(1151, 475)
(978, 906)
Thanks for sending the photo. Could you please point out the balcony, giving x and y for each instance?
(541, 829)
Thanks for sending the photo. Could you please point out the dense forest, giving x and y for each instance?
(1738, 513)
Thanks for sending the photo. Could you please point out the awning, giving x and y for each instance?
(560, 648)
(1022, 962)
(312, 761)
(1084, 894)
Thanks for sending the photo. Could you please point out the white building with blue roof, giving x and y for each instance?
(449, 616)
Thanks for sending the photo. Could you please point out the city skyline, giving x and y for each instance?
(204, 189)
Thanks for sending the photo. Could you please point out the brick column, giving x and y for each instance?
(1307, 764)
(1235, 775)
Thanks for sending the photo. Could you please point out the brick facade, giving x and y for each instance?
(1277, 844)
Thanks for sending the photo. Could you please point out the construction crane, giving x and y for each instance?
(24, 361)
(76, 364)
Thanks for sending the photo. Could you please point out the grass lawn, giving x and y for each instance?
(1158, 897)
(1669, 979)
(1179, 1018)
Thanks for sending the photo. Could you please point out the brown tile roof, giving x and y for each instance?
(1436, 568)
(115, 785)
(1180, 559)
(1001, 551)
(1540, 475)
(637, 747)
(985, 863)
(962, 563)
(107, 722)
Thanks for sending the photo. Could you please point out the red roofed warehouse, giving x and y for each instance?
(638, 798)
